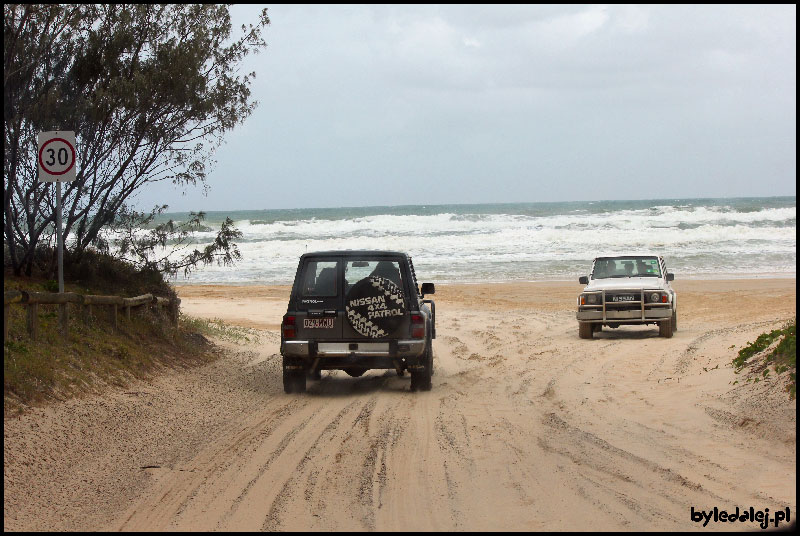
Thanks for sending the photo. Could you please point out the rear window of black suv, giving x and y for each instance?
(320, 279)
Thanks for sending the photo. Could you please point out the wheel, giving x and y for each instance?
(421, 380)
(355, 372)
(585, 330)
(300, 382)
(421, 377)
(288, 382)
(368, 291)
(665, 328)
(430, 361)
(674, 321)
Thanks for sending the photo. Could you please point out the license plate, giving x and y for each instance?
(623, 298)
(318, 323)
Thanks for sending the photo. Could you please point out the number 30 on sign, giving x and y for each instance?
(57, 156)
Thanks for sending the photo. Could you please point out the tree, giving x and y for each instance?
(150, 90)
(138, 247)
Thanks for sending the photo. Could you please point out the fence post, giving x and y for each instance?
(33, 320)
(9, 297)
(63, 319)
(32, 299)
(174, 308)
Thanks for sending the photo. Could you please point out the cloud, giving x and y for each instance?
(567, 29)
(491, 103)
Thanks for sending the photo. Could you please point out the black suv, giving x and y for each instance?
(355, 311)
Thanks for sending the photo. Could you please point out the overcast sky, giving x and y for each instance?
(394, 105)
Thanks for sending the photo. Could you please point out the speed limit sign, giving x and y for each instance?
(57, 156)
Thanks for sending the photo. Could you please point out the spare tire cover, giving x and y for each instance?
(375, 307)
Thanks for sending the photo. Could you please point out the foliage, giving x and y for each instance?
(109, 275)
(764, 340)
(95, 272)
(783, 355)
(149, 89)
(50, 285)
(95, 355)
(138, 247)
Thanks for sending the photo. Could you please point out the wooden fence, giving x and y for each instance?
(31, 300)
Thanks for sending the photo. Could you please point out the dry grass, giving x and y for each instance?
(94, 356)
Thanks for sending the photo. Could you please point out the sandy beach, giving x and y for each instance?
(527, 427)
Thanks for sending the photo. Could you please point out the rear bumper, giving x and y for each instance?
(353, 351)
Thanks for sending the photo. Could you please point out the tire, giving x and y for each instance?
(585, 330)
(674, 321)
(421, 377)
(359, 302)
(355, 372)
(430, 362)
(300, 382)
(288, 382)
(665, 328)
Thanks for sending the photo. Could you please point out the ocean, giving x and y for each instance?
(698, 238)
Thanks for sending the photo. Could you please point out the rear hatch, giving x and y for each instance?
(352, 299)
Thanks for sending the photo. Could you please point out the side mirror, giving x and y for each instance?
(583, 280)
(670, 277)
(428, 288)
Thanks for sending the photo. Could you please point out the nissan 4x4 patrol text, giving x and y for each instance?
(355, 311)
(624, 290)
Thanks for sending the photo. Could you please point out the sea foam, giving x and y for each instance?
(522, 241)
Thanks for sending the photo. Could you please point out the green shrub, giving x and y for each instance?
(50, 285)
(109, 275)
(783, 356)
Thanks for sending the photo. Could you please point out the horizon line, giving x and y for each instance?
(500, 203)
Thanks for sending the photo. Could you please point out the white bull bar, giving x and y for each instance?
(623, 315)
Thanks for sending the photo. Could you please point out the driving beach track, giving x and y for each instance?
(527, 427)
(534, 429)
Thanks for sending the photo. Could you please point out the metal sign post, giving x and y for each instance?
(57, 158)
(59, 239)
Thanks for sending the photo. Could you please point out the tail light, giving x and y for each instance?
(417, 326)
(288, 327)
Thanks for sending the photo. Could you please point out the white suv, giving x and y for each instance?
(625, 290)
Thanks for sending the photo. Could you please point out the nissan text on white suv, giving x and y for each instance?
(627, 290)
